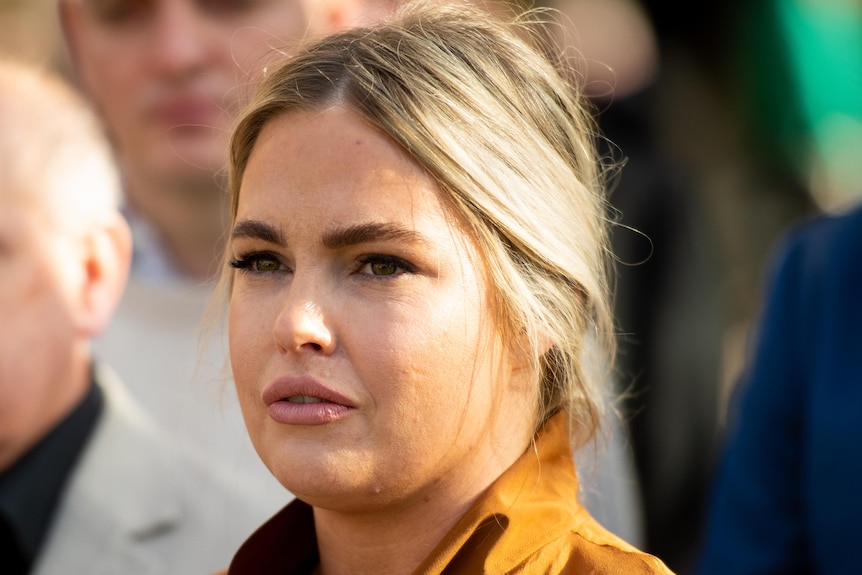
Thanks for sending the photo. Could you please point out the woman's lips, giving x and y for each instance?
(304, 400)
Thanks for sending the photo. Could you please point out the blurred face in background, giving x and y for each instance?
(167, 75)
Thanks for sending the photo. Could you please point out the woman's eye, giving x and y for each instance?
(384, 266)
(257, 263)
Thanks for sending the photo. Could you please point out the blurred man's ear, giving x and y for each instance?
(107, 255)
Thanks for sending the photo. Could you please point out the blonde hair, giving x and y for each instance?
(53, 150)
(510, 143)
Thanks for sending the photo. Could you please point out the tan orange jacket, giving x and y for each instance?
(528, 522)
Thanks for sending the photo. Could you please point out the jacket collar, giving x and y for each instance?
(109, 497)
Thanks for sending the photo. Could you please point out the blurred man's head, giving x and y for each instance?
(167, 74)
(64, 252)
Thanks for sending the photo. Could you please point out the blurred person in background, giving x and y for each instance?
(88, 482)
(166, 77)
(786, 497)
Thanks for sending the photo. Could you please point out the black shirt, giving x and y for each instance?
(31, 489)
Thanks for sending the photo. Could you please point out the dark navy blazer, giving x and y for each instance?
(788, 492)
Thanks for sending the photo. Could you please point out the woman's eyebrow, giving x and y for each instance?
(370, 232)
(332, 239)
(258, 230)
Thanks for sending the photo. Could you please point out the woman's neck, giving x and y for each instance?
(397, 537)
(395, 542)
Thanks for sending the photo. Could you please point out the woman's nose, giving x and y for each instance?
(301, 324)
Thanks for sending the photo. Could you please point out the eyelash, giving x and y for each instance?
(246, 263)
(398, 263)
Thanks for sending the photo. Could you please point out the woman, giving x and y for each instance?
(416, 269)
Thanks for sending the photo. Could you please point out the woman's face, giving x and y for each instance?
(365, 358)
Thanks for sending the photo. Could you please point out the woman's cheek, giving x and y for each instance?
(245, 343)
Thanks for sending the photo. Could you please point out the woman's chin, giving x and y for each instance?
(324, 480)
(337, 490)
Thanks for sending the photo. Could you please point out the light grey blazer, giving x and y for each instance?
(137, 505)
